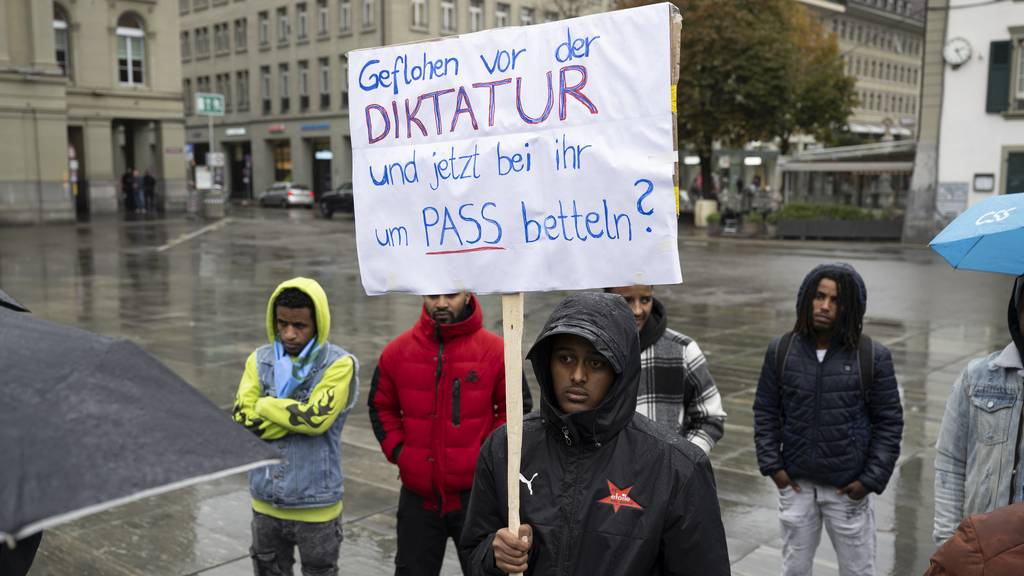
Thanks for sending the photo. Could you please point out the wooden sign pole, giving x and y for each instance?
(512, 325)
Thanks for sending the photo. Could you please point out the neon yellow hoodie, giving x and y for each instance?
(274, 418)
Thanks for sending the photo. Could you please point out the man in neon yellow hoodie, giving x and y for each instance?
(295, 394)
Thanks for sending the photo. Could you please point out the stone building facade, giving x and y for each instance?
(88, 90)
(283, 70)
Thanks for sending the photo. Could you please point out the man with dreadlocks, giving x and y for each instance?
(978, 453)
(827, 423)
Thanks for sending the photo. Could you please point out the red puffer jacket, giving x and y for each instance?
(437, 393)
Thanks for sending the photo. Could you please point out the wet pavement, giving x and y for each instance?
(194, 295)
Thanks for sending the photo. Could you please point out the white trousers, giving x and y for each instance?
(850, 524)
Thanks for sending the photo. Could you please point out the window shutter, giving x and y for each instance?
(998, 77)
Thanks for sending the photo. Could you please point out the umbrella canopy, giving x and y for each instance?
(89, 422)
(7, 302)
(989, 237)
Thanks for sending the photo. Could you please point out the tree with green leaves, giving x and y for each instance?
(822, 95)
(755, 70)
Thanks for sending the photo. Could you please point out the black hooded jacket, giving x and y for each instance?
(606, 491)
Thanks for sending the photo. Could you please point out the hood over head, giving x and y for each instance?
(316, 293)
(834, 269)
(1013, 314)
(605, 321)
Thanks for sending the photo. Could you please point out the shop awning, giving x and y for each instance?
(860, 167)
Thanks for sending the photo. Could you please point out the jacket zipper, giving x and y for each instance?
(436, 426)
(817, 406)
(565, 546)
(440, 356)
(456, 388)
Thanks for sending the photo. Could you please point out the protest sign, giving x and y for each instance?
(520, 159)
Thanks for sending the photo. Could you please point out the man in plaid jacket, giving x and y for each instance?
(676, 386)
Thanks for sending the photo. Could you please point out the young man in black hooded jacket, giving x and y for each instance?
(602, 489)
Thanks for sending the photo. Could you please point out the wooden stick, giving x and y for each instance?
(512, 324)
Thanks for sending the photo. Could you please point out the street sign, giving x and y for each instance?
(215, 159)
(208, 104)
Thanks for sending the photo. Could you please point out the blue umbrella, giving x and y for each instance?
(988, 237)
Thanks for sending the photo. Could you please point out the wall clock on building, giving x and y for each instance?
(956, 52)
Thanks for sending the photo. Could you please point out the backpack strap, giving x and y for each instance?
(866, 359)
(781, 354)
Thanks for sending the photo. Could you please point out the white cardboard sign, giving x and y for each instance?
(520, 159)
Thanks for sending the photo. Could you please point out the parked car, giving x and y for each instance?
(340, 200)
(286, 194)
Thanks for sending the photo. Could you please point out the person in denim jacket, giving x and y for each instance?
(978, 452)
(295, 394)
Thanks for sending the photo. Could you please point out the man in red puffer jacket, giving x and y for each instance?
(437, 393)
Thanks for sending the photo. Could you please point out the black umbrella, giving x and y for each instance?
(89, 422)
(8, 302)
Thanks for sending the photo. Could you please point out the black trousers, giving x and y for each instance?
(423, 535)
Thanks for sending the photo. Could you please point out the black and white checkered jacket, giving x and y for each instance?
(676, 386)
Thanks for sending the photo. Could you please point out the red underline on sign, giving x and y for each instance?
(463, 251)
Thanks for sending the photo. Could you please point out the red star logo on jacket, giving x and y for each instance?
(618, 498)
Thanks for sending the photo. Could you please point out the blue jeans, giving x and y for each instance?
(274, 542)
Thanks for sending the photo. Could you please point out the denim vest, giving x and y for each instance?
(986, 421)
(309, 475)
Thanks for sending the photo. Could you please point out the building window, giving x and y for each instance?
(419, 14)
(283, 26)
(448, 22)
(265, 88)
(282, 161)
(344, 15)
(300, 10)
(303, 85)
(242, 87)
(325, 83)
(186, 46)
(186, 95)
(183, 6)
(264, 28)
(344, 83)
(476, 15)
(223, 87)
(200, 4)
(526, 16)
(367, 14)
(222, 38)
(1018, 91)
(321, 17)
(241, 34)
(501, 11)
(61, 41)
(202, 43)
(552, 15)
(283, 79)
(131, 50)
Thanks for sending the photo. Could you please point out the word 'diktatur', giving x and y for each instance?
(447, 107)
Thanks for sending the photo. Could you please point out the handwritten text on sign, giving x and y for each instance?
(520, 159)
